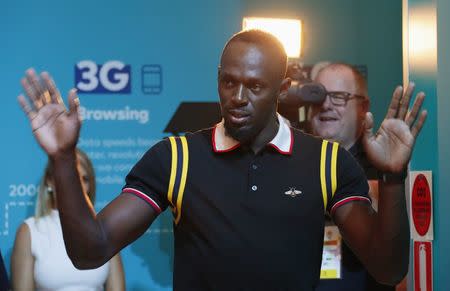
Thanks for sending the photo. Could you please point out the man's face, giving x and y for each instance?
(338, 123)
(249, 83)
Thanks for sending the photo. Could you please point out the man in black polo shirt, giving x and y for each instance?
(248, 196)
(341, 118)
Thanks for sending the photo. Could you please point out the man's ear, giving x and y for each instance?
(365, 107)
(284, 87)
(366, 104)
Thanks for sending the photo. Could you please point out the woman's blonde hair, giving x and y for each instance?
(46, 194)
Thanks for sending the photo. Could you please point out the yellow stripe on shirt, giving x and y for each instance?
(323, 182)
(183, 177)
(333, 168)
(173, 169)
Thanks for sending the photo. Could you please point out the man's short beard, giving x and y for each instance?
(242, 135)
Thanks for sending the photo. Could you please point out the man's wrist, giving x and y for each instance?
(393, 177)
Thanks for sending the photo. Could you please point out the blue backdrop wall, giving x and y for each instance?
(169, 51)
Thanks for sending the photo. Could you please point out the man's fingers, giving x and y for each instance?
(393, 107)
(55, 96)
(404, 101)
(415, 130)
(368, 126)
(74, 102)
(34, 90)
(411, 116)
(34, 83)
(28, 89)
(45, 97)
(31, 114)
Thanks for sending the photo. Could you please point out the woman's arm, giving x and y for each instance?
(116, 276)
(22, 261)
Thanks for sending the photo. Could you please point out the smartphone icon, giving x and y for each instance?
(151, 79)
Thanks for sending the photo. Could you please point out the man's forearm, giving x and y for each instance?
(391, 233)
(83, 236)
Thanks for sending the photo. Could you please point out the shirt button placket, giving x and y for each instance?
(253, 185)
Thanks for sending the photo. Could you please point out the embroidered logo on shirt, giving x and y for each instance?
(293, 192)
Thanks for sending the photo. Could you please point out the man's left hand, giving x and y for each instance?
(390, 149)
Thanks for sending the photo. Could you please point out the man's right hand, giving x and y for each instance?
(56, 129)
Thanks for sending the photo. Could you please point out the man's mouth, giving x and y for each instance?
(238, 116)
(327, 119)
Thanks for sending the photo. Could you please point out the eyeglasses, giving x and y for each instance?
(340, 98)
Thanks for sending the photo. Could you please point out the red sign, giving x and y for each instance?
(423, 275)
(421, 204)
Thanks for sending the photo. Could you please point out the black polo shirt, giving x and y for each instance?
(244, 221)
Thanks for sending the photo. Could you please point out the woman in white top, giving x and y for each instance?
(39, 260)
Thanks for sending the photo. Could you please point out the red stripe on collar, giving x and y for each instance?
(215, 149)
(289, 152)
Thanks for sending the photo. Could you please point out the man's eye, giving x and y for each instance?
(255, 87)
(228, 83)
(337, 96)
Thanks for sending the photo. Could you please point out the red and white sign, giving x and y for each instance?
(421, 205)
(423, 266)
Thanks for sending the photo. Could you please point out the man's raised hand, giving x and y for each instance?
(55, 128)
(391, 147)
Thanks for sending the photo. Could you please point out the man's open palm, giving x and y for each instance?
(390, 149)
(56, 129)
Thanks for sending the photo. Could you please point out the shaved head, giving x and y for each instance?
(265, 41)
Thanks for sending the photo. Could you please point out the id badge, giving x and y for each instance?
(332, 253)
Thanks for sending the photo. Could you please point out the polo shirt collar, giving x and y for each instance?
(282, 141)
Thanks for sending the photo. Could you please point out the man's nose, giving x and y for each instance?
(327, 104)
(241, 94)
